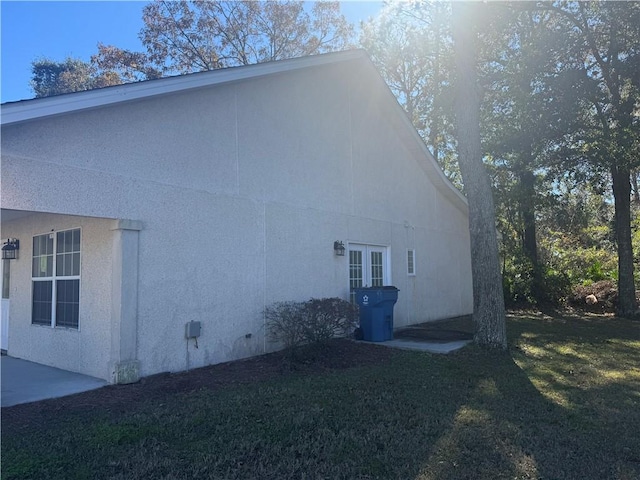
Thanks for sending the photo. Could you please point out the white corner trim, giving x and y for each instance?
(124, 224)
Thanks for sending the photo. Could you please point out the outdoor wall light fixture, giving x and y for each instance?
(10, 249)
(338, 248)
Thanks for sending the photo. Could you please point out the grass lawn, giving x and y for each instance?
(564, 402)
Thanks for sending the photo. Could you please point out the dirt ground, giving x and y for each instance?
(336, 355)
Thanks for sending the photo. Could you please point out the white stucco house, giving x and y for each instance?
(204, 198)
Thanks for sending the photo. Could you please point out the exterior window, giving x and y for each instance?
(56, 279)
(411, 262)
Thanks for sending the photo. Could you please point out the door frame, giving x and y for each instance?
(367, 248)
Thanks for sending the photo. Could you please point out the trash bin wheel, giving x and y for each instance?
(357, 334)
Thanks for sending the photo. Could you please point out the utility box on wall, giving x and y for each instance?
(193, 329)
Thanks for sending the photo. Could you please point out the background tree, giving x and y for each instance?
(194, 36)
(529, 106)
(606, 40)
(72, 75)
(488, 300)
(411, 44)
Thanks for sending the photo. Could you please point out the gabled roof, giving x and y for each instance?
(24, 110)
(39, 108)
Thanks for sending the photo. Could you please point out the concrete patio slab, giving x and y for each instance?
(24, 382)
(424, 345)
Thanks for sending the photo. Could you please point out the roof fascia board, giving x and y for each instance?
(26, 110)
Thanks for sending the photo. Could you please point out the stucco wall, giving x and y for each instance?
(85, 349)
(242, 190)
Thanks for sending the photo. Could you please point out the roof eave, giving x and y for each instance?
(26, 110)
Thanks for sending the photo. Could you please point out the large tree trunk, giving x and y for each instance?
(622, 198)
(527, 206)
(488, 299)
(636, 189)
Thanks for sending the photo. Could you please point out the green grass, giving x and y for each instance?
(563, 403)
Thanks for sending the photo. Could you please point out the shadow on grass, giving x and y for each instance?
(508, 429)
(563, 404)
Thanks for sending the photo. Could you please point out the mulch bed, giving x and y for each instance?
(605, 292)
(336, 355)
(114, 399)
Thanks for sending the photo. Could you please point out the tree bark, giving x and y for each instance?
(622, 198)
(488, 299)
(634, 183)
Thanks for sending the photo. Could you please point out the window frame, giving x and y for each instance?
(411, 262)
(59, 254)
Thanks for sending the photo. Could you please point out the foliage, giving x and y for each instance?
(576, 235)
(284, 324)
(563, 404)
(71, 75)
(582, 265)
(326, 318)
(194, 36)
(561, 96)
(411, 44)
(524, 284)
(316, 321)
(604, 53)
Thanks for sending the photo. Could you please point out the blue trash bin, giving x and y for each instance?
(376, 312)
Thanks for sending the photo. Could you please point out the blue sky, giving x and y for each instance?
(57, 30)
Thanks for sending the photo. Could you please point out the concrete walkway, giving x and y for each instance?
(424, 345)
(24, 382)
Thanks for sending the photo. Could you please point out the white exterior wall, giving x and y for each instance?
(85, 349)
(241, 190)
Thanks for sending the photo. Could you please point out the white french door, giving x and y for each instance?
(368, 267)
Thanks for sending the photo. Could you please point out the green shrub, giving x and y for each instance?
(518, 281)
(552, 287)
(284, 324)
(581, 262)
(524, 284)
(315, 321)
(326, 318)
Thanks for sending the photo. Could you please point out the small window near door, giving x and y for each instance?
(411, 262)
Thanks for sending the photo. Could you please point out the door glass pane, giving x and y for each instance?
(377, 277)
(355, 271)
